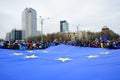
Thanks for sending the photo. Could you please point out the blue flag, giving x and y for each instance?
(104, 38)
(96, 40)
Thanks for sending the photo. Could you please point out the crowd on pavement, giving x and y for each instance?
(32, 45)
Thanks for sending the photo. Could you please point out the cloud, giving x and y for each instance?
(90, 14)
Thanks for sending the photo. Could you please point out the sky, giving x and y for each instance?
(89, 15)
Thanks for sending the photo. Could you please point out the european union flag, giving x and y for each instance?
(60, 62)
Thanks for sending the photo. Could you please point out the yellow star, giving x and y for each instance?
(32, 56)
(63, 59)
(29, 51)
(45, 51)
(92, 56)
(17, 54)
(105, 53)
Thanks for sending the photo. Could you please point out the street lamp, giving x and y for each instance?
(77, 28)
(41, 22)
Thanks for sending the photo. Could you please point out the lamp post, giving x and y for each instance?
(41, 22)
(77, 30)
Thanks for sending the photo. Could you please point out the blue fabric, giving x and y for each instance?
(96, 40)
(118, 47)
(52, 44)
(22, 48)
(0, 46)
(105, 39)
(33, 42)
(46, 67)
(34, 47)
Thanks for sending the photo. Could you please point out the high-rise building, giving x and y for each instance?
(64, 26)
(29, 23)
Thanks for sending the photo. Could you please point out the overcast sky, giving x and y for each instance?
(89, 14)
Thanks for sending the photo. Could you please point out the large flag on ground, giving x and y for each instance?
(60, 62)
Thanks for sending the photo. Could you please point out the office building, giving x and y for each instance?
(64, 26)
(29, 23)
(16, 35)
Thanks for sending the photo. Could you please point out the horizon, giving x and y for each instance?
(89, 15)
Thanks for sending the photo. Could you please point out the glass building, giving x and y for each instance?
(64, 26)
(16, 35)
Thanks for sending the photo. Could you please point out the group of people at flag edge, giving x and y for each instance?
(32, 45)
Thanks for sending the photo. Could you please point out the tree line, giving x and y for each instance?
(81, 35)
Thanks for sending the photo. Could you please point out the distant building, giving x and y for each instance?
(105, 28)
(64, 26)
(29, 23)
(38, 32)
(8, 36)
(16, 35)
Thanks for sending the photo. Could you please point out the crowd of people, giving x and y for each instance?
(32, 45)
(23, 46)
(97, 44)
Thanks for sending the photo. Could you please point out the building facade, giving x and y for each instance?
(16, 35)
(8, 36)
(105, 28)
(29, 23)
(64, 26)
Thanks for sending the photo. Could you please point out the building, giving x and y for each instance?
(16, 35)
(29, 23)
(105, 31)
(64, 26)
(105, 28)
(8, 36)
